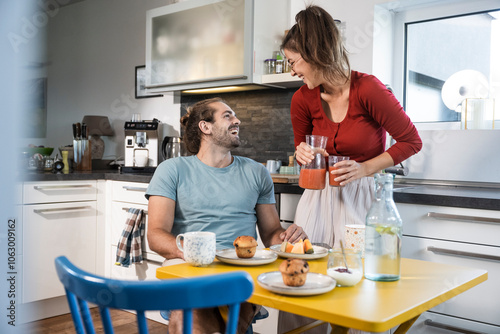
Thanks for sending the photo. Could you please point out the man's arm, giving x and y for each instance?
(270, 229)
(161, 211)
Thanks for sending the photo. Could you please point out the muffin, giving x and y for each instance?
(245, 246)
(294, 271)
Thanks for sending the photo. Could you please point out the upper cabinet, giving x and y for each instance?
(199, 44)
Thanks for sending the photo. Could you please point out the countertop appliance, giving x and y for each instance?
(172, 147)
(141, 146)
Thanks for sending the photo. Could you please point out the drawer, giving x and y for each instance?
(51, 230)
(476, 304)
(119, 215)
(433, 323)
(288, 206)
(130, 192)
(59, 191)
(457, 224)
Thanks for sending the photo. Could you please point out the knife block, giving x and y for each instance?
(82, 154)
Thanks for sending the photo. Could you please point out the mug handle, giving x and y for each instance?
(178, 242)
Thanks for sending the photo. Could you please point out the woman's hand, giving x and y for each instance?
(348, 171)
(305, 153)
(293, 234)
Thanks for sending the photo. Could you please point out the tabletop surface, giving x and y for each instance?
(369, 306)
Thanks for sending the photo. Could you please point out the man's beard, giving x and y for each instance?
(225, 139)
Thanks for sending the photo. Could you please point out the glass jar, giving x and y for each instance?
(383, 234)
(270, 66)
(336, 266)
(279, 66)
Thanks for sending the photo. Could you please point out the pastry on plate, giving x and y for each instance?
(245, 246)
(294, 271)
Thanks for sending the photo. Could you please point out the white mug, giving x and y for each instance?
(198, 247)
(273, 166)
(141, 160)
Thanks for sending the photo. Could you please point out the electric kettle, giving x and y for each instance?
(172, 147)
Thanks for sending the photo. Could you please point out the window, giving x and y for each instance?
(463, 50)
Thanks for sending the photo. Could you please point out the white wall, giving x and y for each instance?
(93, 48)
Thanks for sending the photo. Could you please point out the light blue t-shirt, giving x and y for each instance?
(220, 200)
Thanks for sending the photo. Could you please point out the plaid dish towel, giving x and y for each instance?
(130, 242)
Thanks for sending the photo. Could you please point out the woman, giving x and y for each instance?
(354, 110)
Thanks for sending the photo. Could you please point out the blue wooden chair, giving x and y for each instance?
(177, 294)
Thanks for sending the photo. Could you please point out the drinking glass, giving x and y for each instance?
(332, 160)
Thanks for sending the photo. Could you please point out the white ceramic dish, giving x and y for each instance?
(319, 252)
(315, 284)
(262, 256)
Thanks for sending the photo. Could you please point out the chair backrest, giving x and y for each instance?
(81, 287)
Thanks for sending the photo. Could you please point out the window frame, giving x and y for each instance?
(435, 10)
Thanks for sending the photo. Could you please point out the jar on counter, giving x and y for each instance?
(270, 66)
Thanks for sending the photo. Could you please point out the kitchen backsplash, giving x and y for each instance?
(266, 129)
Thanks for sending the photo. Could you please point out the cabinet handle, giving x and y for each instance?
(67, 186)
(135, 188)
(436, 324)
(461, 217)
(62, 209)
(461, 253)
(126, 209)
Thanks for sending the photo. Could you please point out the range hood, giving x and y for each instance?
(205, 44)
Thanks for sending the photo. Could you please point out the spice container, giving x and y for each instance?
(270, 66)
(279, 64)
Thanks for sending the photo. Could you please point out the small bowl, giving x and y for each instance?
(45, 151)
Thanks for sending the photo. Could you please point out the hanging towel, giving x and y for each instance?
(130, 242)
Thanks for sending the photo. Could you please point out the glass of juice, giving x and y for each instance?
(332, 160)
(313, 175)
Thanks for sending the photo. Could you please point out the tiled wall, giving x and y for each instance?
(265, 130)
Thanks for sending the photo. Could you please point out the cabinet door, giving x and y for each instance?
(51, 230)
(480, 302)
(432, 323)
(119, 214)
(288, 206)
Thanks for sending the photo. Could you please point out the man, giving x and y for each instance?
(215, 191)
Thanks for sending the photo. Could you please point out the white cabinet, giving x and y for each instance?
(123, 196)
(288, 206)
(59, 218)
(225, 45)
(463, 237)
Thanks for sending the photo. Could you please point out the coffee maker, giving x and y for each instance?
(142, 146)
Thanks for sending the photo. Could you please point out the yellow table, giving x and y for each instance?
(368, 306)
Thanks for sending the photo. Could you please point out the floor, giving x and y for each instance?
(123, 322)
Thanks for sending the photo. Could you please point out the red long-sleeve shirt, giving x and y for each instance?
(372, 111)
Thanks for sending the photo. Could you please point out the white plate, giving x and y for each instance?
(315, 284)
(319, 252)
(262, 256)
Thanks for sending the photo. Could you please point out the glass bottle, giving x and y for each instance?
(383, 234)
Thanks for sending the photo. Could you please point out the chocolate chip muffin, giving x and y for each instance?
(294, 271)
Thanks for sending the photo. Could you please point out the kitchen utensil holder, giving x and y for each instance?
(82, 154)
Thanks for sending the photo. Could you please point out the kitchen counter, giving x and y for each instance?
(470, 196)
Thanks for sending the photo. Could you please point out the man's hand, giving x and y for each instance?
(293, 234)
